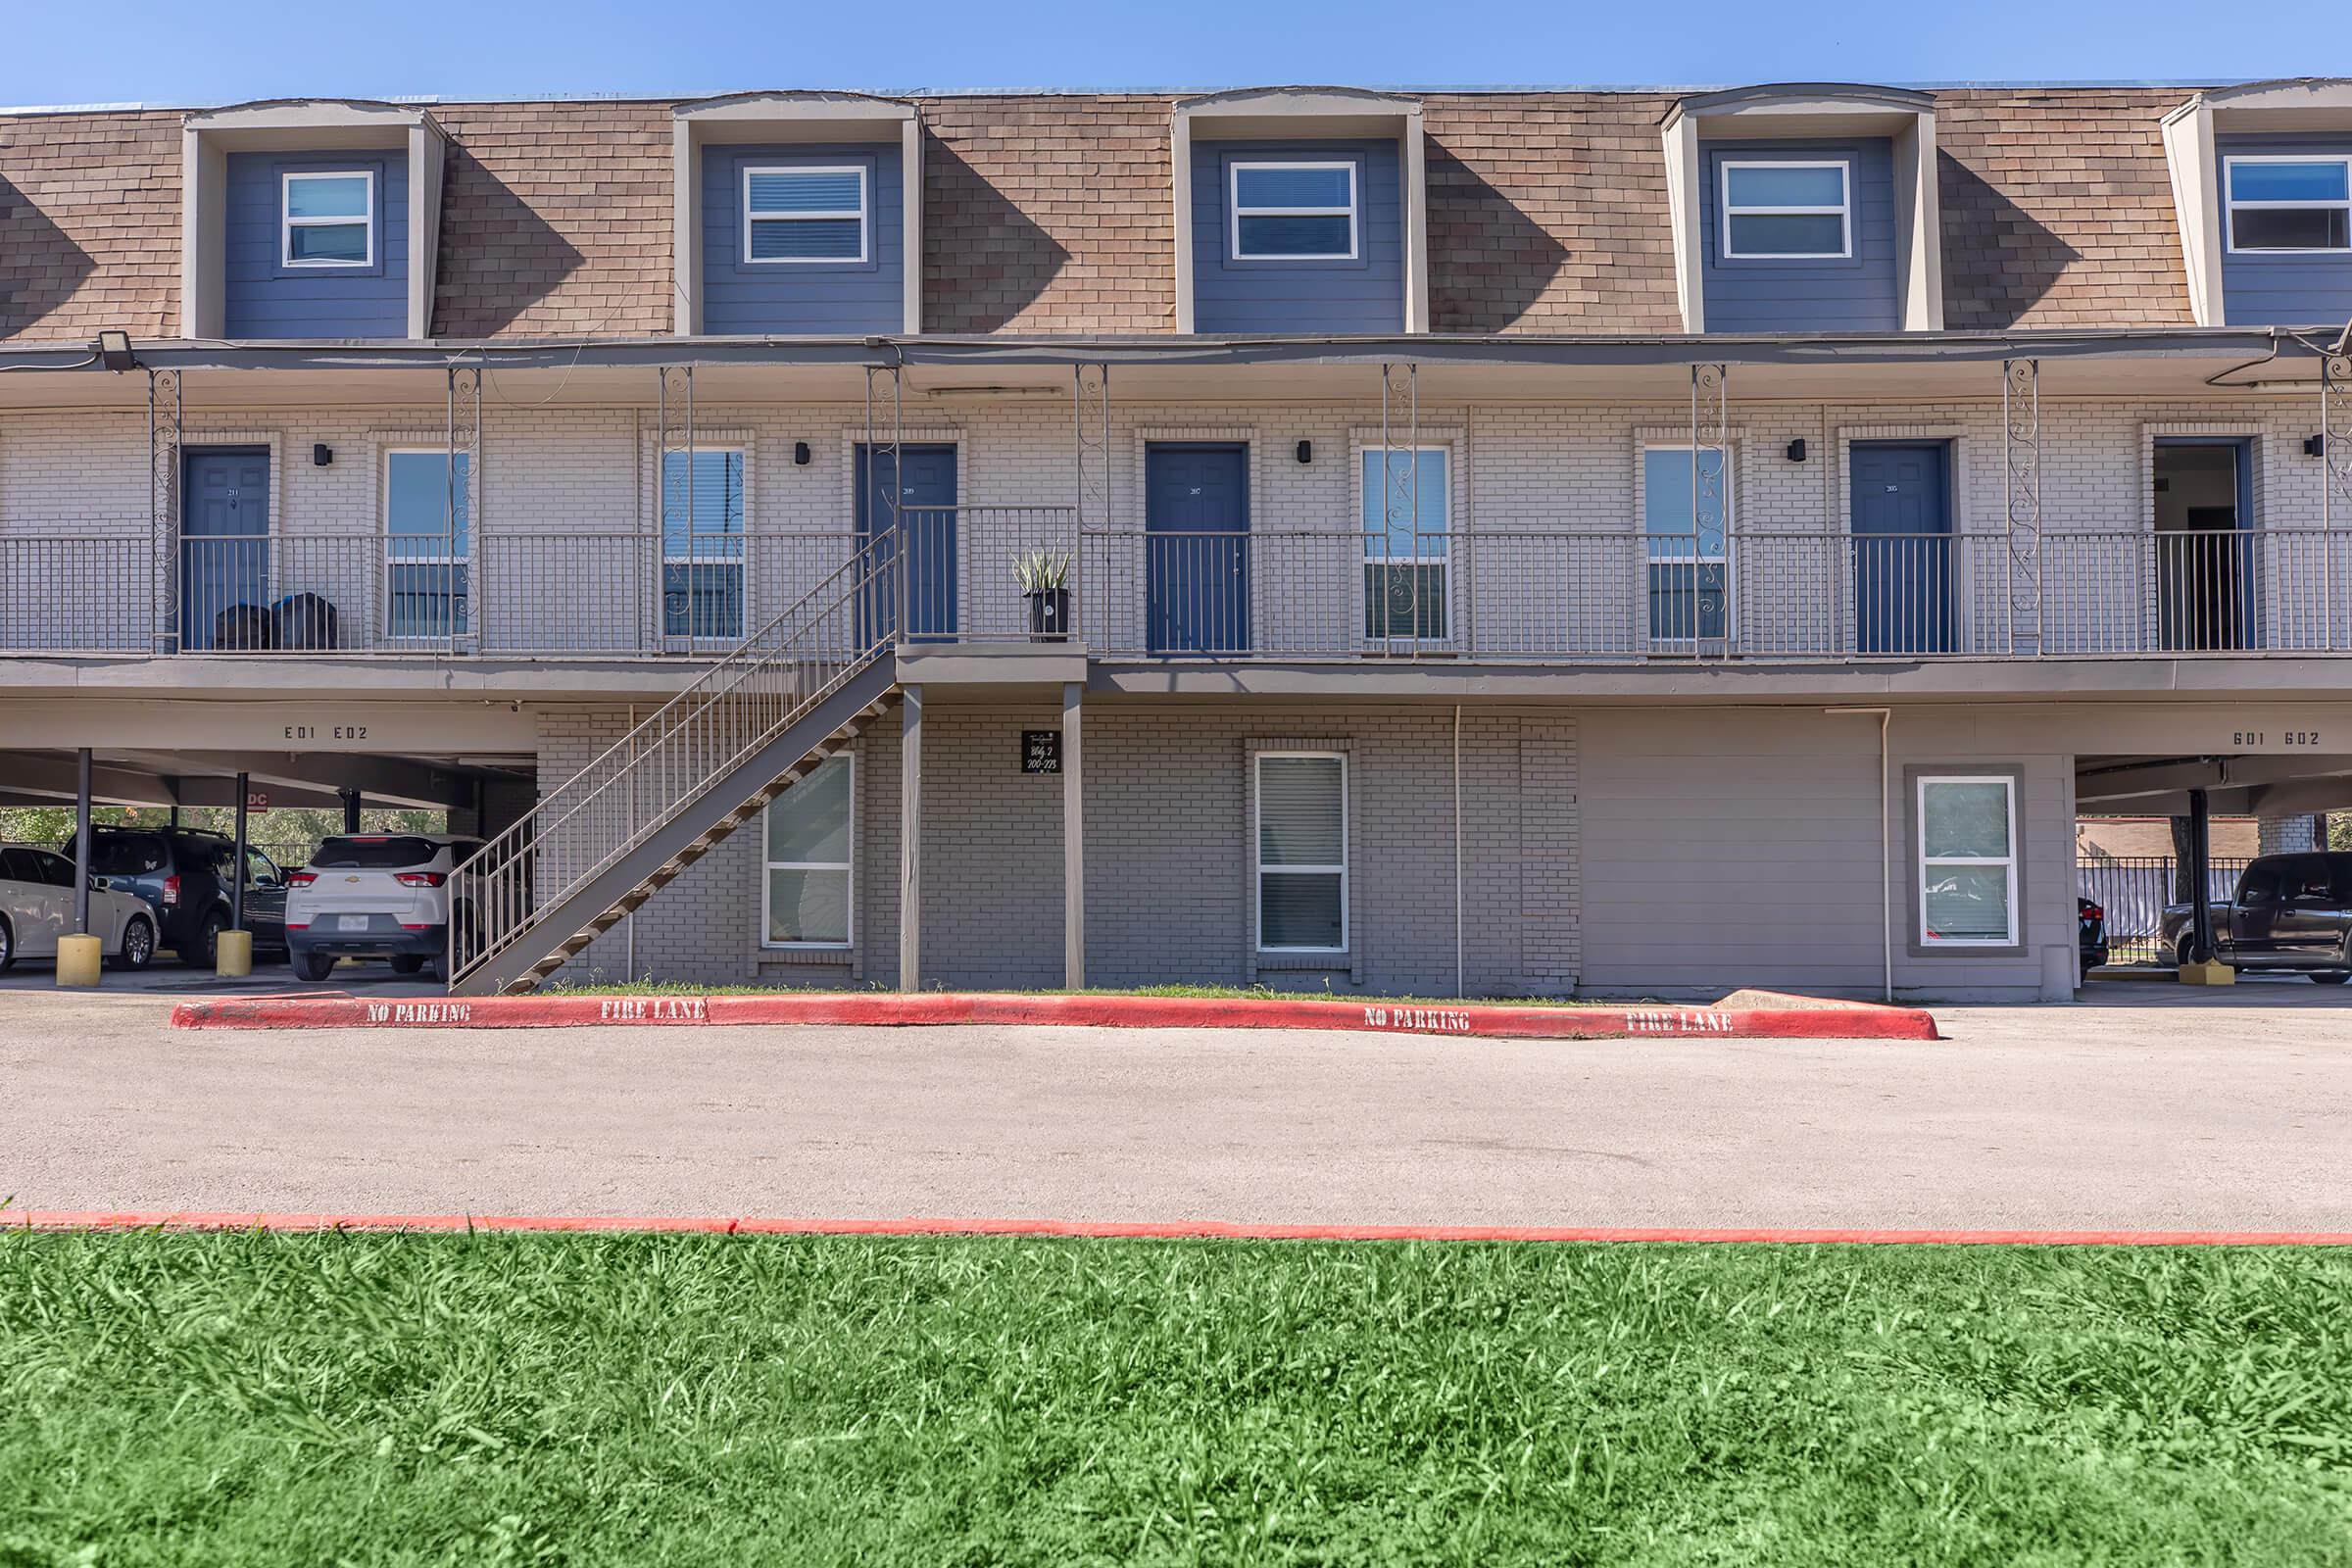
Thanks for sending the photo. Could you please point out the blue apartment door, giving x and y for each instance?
(1196, 548)
(919, 536)
(1902, 547)
(225, 549)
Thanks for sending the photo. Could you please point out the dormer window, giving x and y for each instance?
(2262, 189)
(2288, 205)
(1294, 212)
(1786, 210)
(328, 219)
(1299, 210)
(797, 213)
(1805, 207)
(805, 214)
(310, 220)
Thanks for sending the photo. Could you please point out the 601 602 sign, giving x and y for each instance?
(2306, 738)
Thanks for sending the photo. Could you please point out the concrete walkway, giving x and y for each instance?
(2233, 1113)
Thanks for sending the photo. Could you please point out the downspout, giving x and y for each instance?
(1884, 716)
(1457, 852)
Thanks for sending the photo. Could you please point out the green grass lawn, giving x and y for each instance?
(246, 1398)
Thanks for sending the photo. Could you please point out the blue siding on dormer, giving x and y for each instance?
(820, 297)
(262, 298)
(2259, 290)
(1857, 294)
(1365, 295)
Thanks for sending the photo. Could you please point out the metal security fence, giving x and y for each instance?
(2133, 890)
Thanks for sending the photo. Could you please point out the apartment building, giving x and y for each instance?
(1506, 543)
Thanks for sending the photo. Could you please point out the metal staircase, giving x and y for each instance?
(600, 844)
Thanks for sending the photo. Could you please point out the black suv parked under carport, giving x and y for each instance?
(183, 874)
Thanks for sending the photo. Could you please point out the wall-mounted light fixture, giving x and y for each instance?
(2315, 445)
(1797, 450)
(1307, 451)
(800, 453)
(321, 455)
(114, 350)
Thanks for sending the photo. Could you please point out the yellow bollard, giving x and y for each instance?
(80, 961)
(2216, 973)
(232, 957)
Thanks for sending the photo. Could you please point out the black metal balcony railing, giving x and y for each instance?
(1525, 594)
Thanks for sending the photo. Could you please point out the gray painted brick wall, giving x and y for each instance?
(1647, 851)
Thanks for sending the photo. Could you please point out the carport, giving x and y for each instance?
(2265, 784)
(481, 791)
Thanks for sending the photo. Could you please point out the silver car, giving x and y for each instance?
(36, 908)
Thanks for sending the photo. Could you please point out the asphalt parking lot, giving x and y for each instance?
(2156, 1108)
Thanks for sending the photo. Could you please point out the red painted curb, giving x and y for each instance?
(1174, 1230)
(1844, 1022)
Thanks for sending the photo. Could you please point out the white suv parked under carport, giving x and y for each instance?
(373, 896)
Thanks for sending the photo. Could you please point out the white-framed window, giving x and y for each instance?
(1300, 820)
(1787, 208)
(804, 215)
(1292, 211)
(810, 855)
(1685, 523)
(328, 218)
(1407, 507)
(2289, 205)
(702, 544)
(428, 545)
(1967, 860)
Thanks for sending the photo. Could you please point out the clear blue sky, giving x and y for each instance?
(219, 51)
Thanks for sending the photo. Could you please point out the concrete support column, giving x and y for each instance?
(232, 958)
(1073, 839)
(80, 957)
(2200, 890)
(236, 885)
(911, 839)
(2202, 970)
(82, 842)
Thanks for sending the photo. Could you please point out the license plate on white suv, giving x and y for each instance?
(351, 923)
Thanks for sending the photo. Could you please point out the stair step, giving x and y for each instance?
(819, 751)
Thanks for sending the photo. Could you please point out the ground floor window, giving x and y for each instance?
(1407, 538)
(427, 544)
(1968, 861)
(702, 544)
(809, 873)
(1301, 811)
(1685, 515)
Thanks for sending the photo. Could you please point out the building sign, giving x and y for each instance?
(256, 801)
(1041, 750)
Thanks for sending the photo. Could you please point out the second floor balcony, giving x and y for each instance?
(1552, 591)
(1253, 506)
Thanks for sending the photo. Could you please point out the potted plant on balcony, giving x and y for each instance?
(1044, 577)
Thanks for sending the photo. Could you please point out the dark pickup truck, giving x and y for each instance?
(2290, 912)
